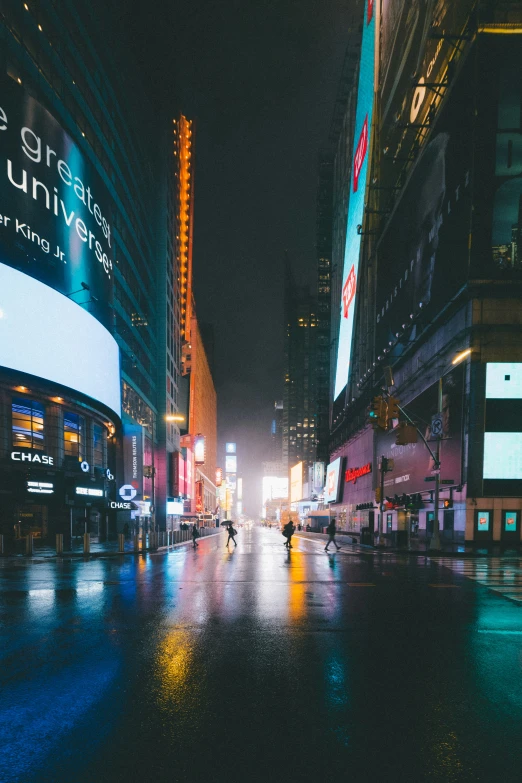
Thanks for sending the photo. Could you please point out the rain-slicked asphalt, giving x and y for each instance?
(256, 664)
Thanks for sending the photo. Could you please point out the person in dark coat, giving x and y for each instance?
(195, 536)
(231, 534)
(288, 532)
(331, 530)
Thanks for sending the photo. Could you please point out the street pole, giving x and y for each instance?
(435, 539)
(381, 531)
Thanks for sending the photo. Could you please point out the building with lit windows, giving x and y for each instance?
(299, 386)
(426, 278)
(91, 209)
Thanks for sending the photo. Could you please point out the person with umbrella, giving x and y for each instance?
(231, 532)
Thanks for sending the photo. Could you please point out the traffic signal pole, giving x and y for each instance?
(381, 531)
(435, 539)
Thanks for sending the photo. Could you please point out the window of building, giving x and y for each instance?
(28, 424)
(73, 435)
(98, 434)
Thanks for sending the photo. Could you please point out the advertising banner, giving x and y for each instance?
(333, 481)
(423, 254)
(318, 474)
(413, 463)
(296, 482)
(360, 164)
(230, 464)
(199, 450)
(55, 220)
(497, 229)
(417, 40)
(133, 458)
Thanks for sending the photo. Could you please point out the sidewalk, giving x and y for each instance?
(104, 549)
(418, 547)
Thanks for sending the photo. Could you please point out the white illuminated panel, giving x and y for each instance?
(90, 491)
(504, 380)
(44, 333)
(503, 455)
(274, 488)
(40, 487)
(174, 507)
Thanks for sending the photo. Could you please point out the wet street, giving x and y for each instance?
(258, 664)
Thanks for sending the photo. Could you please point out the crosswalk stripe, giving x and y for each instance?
(501, 577)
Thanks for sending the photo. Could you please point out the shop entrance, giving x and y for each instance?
(31, 519)
(510, 530)
(448, 524)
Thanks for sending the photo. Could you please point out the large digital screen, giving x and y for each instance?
(274, 488)
(504, 380)
(502, 455)
(55, 220)
(360, 159)
(296, 482)
(502, 461)
(333, 475)
(45, 334)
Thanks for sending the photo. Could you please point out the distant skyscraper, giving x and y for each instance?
(276, 434)
(322, 336)
(299, 386)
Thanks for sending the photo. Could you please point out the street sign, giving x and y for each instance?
(430, 478)
(436, 426)
(447, 481)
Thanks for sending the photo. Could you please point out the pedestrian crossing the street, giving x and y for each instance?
(500, 575)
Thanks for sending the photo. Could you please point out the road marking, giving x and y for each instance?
(360, 584)
(502, 577)
(436, 585)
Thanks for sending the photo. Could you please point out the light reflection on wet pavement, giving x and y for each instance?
(253, 664)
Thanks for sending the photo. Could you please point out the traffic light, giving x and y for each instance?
(448, 502)
(378, 495)
(405, 433)
(393, 408)
(378, 413)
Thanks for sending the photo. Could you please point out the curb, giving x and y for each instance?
(96, 555)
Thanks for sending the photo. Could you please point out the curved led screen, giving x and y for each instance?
(361, 154)
(45, 334)
(54, 208)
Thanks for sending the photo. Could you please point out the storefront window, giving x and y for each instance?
(98, 433)
(28, 418)
(73, 435)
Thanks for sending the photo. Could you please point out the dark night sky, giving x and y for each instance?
(260, 78)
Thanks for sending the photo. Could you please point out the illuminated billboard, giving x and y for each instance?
(360, 163)
(274, 488)
(45, 334)
(219, 476)
(230, 448)
(230, 464)
(54, 206)
(296, 482)
(199, 450)
(502, 462)
(333, 481)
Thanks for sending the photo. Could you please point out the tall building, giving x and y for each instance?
(276, 433)
(427, 285)
(299, 386)
(84, 396)
(324, 284)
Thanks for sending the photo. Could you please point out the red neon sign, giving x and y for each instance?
(349, 291)
(360, 154)
(352, 474)
(369, 14)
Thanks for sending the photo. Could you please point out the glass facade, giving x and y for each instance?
(28, 424)
(73, 435)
